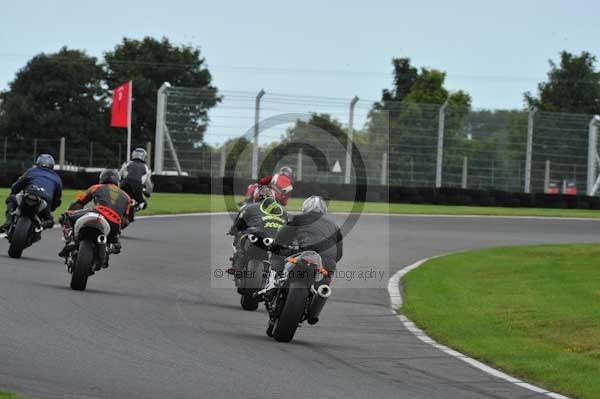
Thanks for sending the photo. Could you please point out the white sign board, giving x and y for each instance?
(337, 168)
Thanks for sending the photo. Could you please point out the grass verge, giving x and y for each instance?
(531, 311)
(167, 203)
(8, 395)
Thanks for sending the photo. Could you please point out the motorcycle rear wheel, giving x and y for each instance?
(83, 265)
(248, 302)
(252, 282)
(292, 312)
(20, 237)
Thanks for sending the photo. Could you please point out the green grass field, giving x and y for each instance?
(7, 395)
(531, 311)
(166, 203)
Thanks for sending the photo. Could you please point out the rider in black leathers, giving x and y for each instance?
(136, 177)
(312, 230)
(46, 182)
(265, 216)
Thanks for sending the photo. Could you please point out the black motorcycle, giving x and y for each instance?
(133, 209)
(26, 226)
(134, 190)
(90, 250)
(252, 277)
(299, 295)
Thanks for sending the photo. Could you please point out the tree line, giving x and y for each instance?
(67, 94)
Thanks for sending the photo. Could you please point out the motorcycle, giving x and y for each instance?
(299, 295)
(91, 250)
(252, 277)
(26, 226)
(135, 207)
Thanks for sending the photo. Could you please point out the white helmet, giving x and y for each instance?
(314, 203)
(140, 154)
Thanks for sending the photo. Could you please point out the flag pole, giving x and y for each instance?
(129, 122)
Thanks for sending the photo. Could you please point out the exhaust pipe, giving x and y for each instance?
(321, 294)
(102, 253)
(324, 291)
(252, 238)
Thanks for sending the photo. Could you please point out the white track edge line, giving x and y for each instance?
(396, 301)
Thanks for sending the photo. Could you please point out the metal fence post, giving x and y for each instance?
(61, 153)
(299, 165)
(260, 94)
(161, 108)
(149, 152)
(440, 145)
(35, 141)
(465, 173)
(529, 152)
(384, 169)
(223, 159)
(349, 141)
(592, 153)
(547, 176)
(91, 153)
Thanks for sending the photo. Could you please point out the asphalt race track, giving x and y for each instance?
(151, 326)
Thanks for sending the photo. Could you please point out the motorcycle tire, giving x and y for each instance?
(20, 237)
(83, 265)
(292, 312)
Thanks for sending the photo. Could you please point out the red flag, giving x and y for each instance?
(120, 106)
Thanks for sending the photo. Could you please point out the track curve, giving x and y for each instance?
(151, 326)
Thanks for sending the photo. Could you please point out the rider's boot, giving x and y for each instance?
(69, 243)
(115, 246)
(237, 263)
(8, 220)
(271, 285)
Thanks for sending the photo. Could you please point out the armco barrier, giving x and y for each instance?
(422, 195)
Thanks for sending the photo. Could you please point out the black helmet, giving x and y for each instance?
(286, 170)
(45, 161)
(110, 176)
(140, 154)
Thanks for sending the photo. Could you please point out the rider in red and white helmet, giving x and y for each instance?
(280, 183)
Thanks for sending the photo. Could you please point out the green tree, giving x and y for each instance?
(149, 63)
(410, 116)
(405, 76)
(320, 129)
(55, 95)
(321, 138)
(238, 157)
(573, 86)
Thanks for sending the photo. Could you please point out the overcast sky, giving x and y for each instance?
(494, 51)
